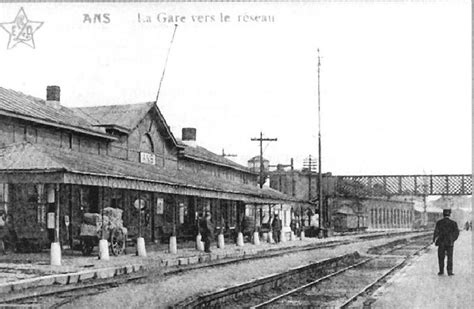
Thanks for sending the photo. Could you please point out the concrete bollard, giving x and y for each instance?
(141, 251)
(256, 239)
(282, 236)
(330, 233)
(199, 243)
(173, 248)
(292, 236)
(240, 239)
(302, 236)
(270, 238)
(55, 254)
(104, 250)
(220, 241)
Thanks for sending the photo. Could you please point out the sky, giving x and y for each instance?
(395, 78)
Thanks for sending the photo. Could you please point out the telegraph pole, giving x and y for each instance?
(261, 139)
(292, 179)
(320, 177)
(310, 164)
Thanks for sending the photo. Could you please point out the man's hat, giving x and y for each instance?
(446, 212)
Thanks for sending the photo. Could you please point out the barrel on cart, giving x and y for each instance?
(113, 230)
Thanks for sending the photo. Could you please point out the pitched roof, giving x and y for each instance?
(19, 105)
(202, 154)
(22, 157)
(126, 116)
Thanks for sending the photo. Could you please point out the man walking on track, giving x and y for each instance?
(445, 234)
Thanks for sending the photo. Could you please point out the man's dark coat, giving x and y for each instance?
(446, 232)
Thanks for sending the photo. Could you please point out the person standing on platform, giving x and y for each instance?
(207, 232)
(276, 228)
(445, 234)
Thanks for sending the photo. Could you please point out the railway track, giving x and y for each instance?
(65, 294)
(332, 283)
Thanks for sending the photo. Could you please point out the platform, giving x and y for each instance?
(23, 271)
(419, 286)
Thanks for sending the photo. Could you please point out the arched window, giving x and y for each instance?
(146, 144)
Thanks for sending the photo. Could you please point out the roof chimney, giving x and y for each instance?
(53, 97)
(189, 136)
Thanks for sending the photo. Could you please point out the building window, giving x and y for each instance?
(31, 134)
(66, 140)
(41, 207)
(116, 198)
(146, 144)
(4, 197)
(19, 133)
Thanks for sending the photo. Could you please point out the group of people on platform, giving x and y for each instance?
(445, 234)
(206, 228)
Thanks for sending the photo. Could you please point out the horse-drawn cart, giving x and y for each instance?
(113, 230)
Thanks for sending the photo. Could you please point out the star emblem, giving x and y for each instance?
(21, 30)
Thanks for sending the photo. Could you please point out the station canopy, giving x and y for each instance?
(34, 163)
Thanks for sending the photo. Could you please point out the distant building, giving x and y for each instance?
(340, 208)
(461, 207)
(254, 165)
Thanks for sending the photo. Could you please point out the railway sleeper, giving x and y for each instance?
(268, 283)
(268, 287)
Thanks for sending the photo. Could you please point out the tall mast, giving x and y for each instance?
(166, 62)
(320, 177)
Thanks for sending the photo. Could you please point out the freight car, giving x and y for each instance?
(346, 220)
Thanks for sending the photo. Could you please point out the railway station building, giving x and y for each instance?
(57, 163)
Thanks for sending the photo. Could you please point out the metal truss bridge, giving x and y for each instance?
(421, 185)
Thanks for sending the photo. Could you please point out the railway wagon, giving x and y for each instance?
(346, 220)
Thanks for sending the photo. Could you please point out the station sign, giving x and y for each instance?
(160, 206)
(147, 158)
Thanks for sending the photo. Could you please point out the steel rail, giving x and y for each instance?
(257, 257)
(9, 299)
(66, 289)
(379, 279)
(169, 272)
(350, 300)
(179, 270)
(276, 298)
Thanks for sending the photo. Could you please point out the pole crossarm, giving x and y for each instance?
(421, 185)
